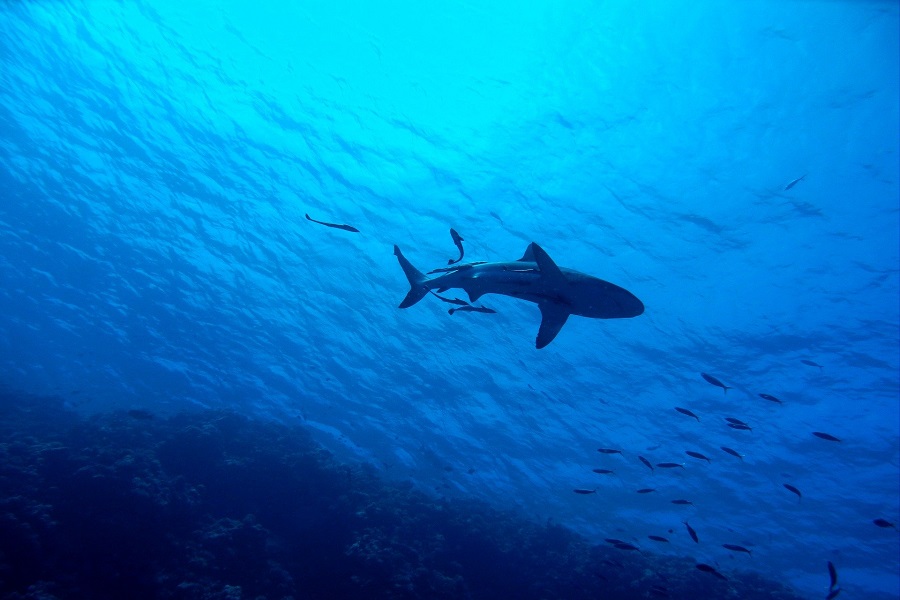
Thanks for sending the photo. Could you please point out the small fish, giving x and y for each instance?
(682, 502)
(825, 436)
(812, 363)
(884, 523)
(455, 301)
(648, 490)
(626, 546)
(736, 548)
(470, 308)
(646, 462)
(795, 490)
(669, 465)
(608, 451)
(692, 533)
(658, 538)
(736, 421)
(603, 471)
(708, 569)
(334, 225)
(833, 594)
(732, 452)
(795, 182)
(614, 541)
(832, 574)
(715, 382)
(457, 240)
(740, 427)
(697, 455)
(583, 491)
(685, 411)
(770, 398)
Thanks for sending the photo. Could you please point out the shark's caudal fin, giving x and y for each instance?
(416, 279)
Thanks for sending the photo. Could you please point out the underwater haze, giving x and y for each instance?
(732, 165)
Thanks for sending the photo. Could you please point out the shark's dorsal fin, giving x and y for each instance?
(529, 254)
(553, 317)
(545, 264)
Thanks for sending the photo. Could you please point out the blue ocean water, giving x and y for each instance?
(158, 159)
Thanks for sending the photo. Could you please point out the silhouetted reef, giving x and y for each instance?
(215, 505)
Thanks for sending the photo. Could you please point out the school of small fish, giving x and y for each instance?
(737, 424)
(732, 422)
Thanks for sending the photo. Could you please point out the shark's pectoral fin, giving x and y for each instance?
(474, 295)
(553, 317)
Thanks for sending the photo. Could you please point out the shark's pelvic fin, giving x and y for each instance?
(553, 317)
(417, 289)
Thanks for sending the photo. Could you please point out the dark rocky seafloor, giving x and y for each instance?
(214, 505)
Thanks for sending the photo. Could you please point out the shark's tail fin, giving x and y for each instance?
(417, 289)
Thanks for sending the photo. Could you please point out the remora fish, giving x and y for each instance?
(558, 292)
(334, 225)
(457, 240)
(470, 308)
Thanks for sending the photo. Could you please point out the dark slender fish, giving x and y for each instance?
(708, 569)
(669, 465)
(685, 411)
(715, 382)
(584, 491)
(732, 452)
(825, 436)
(608, 451)
(455, 268)
(455, 301)
(794, 182)
(735, 421)
(697, 455)
(692, 533)
(658, 538)
(334, 225)
(884, 523)
(770, 398)
(740, 426)
(603, 471)
(626, 546)
(646, 462)
(811, 363)
(736, 548)
(832, 573)
(833, 594)
(614, 541)
(682, 502)
(470, 308)
(795, 490)
(648, 490)
(458, 240)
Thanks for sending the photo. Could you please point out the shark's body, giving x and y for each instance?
(557, 291)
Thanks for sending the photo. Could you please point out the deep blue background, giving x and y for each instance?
(156, 161)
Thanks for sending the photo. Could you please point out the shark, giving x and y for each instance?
(558, 292)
